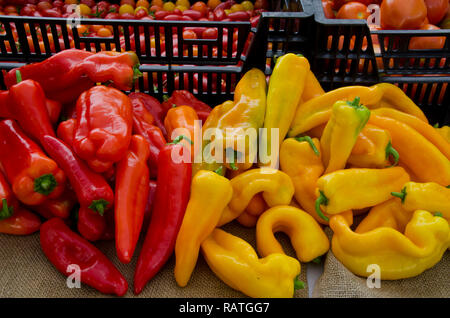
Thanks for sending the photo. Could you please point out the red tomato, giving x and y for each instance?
(200, 7)
(427, 42)
(353, 10)
(139, 14)
(113, 8)
(327, 6)
(112, 16)
(436, 10)
(402, 14)
(210, 33)
(28, 10)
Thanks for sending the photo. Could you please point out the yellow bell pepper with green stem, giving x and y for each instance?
(399, 255)
(210, 194)
(236, 263)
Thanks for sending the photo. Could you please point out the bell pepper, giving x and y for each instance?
(143, 124)
(171, 199)
(63, 248)
(312, 87)
(91, 188)
(399, 255)
(182, 120)
(210, 194)
(317, 111)
(340, 134)
(34, 177)
(66, 131)
(394, 97)
(419, 125)
(387, 214)
(186, 98)
(355, 188)
(444, 131)
(132, 189)
(236, 263)
(285, 90)
(275, 185)
(429, 196)
(307, 237)
(59, 207)
(54, 109)
(373, 149)
(153, 106)
(234, 119)
(423, 158)
(103, 127)
(65, 75)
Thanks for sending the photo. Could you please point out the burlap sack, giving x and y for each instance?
(26, 272)
(338, 281)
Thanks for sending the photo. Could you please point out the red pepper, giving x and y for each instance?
(150, 202)
(28, 105)
(91, 224)
(219, 14)
(239, 16)
(33, 175)
(103, 127)
(59, 207)
(224, 5)
(186, 98)
(5, 109)
(161, 14)
(132, 189)
(153, 106)
(66, 131)
(63, 248)
(54, 110)
(172, 195)
(65, 75)
(91, 188)
(194, 14)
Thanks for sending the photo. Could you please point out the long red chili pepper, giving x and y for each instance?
(34, 177)
(63, 248)
(91, 188)
(172, 195)
(132, 190)
(91, 225)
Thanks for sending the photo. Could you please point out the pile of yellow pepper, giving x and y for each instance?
(353, 151)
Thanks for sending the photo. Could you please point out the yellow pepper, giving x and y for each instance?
(210, 194)
(254, 209)
(341, 132)
(357, 188)
(233, 119)
(373, 149)
(444, 131)
(395, 97)
(275, 185)
(423, 158)
(312, 88)
(398, 255)
(387, 214)
(283, 95)
(428, 196)
(317, 111)
(236, 263)
(425, 129)
(307, 237)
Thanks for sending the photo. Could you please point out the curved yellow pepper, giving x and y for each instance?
(312, 88)
(210, 194)
(444, 131)
(275, 185)
(387, 214)
(395, 97)
(428, 196)
(236, 263)
(285, 89)
(317, 111)
(423, 158)
(341, 132)
(357, 188)
(398, 255)
(307, 237)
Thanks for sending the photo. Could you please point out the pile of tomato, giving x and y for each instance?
(397, 15)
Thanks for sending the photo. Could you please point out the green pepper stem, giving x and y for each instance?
(356, 102)
(18, 76)
(401, 195)
(6, 210)
(99, 206)
(322, 199)
(310, 142)
(178, 140)
(437, 213)
(219, 171)
(390, 151)
(45, 184)
(298, 284)
(136, 72)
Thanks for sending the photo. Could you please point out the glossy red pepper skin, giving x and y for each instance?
(34, 177)
(65, 75)
(29, 107)
(186, 98)
(132, 190)
(59, 207)
(54, 109)
(141, 100)
(91, 225)
(171, 197)
(152, 184)
(66, 131)
(91, 188)
(63, 247)
(103, 127)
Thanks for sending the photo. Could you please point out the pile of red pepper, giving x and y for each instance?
(81, 161)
